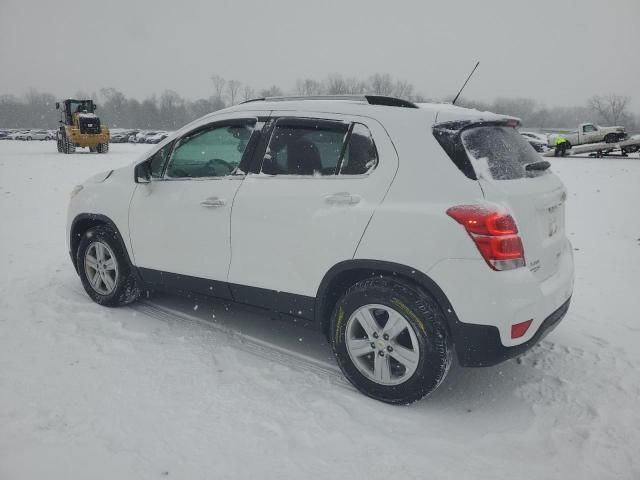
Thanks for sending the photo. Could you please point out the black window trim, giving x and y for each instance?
(375, 147)
(268, 130)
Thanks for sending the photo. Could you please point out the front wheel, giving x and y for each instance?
(102, 147)
(390, 340)
(611, 138)
(104, 270)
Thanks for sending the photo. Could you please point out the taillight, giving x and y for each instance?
(495, 234)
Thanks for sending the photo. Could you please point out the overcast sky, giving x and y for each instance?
(559, 52)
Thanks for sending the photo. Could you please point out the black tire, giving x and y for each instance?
(426, 319)
(67, 146)
(102, 147)
(126, 289)
(59, 145)
(611, 138)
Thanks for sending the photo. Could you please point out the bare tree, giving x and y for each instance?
(354, 86)
(272, 91)
(612, 108)
(233, 89)
(218, 86)
(308, 86)
(335, 85)
(381, 84)
(403, 89)
(248, 93)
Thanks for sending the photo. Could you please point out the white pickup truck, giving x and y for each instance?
(591, 133)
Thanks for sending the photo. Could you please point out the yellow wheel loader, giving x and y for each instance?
(80, 127)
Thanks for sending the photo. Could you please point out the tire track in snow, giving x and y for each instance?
(249, 344)
(240, 341)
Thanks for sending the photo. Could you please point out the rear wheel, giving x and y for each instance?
(390, 340)
(104, 270)
(59, 144)
(102, 147)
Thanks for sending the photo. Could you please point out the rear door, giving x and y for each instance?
(536, 198)
(308, 202)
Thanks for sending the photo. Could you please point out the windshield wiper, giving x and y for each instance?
(538, 166)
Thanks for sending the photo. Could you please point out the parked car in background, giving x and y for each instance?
(16, 133)
(35, 135)
(537, 141)
(4, 134)
(157, 138)
(138, 137)
(132, 136)
(143, 135)
(120, 136)
(540, 137)
(401, 268)
(590, 133)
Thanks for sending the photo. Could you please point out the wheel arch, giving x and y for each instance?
(344, 274)
(85, 221)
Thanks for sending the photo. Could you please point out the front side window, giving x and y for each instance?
(305, 147)
(589, 128)
(213, 151)
(159, 160)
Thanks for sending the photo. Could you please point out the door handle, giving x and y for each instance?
(213, 202)
(342, 198)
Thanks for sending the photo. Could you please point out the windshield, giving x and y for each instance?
(499, 153)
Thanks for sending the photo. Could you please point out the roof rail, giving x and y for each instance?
(370, 99)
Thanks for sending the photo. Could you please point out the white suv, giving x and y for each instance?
(403, 231)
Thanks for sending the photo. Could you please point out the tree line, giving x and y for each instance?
(169, 110)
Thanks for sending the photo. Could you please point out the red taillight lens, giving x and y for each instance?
(519, 329)
(495, 234)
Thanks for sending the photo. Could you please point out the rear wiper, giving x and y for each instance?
(541, 165)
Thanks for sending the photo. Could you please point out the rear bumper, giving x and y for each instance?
(480, 345)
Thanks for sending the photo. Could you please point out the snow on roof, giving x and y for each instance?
(448, 112)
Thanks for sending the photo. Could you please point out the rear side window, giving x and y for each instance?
(319, 148)
(305, 147)
(499, 152)
(360, 156)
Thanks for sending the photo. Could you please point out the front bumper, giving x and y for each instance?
(480, 345)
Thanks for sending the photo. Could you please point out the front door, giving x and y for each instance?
(179, 223)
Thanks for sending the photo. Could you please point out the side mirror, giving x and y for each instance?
(57, 105)
(95, 107)
(143, 172)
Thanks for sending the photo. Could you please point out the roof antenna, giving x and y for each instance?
(465, 83)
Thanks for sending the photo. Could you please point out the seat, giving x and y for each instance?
(303, 158)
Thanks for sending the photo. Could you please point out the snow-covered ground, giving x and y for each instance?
(174, 388)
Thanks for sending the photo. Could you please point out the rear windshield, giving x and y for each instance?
(499, 153)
